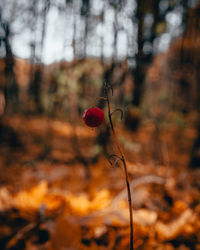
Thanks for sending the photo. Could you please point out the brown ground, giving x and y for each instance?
(50, 200)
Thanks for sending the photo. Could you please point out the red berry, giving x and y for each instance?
(93, 117)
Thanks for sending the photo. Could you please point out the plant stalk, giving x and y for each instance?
(122, 158)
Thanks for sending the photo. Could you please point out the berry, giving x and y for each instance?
(93, 117)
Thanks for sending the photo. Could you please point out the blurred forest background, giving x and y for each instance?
(57, 190)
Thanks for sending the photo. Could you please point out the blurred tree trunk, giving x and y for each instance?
(195, 153)
(102, 37)
(35, 88)
(138, 72)
(191, 36)
(9, 100)
(74, 37)
(37, 70)
(114, 56)
(85, 12)
(10, 88)
(142, 60)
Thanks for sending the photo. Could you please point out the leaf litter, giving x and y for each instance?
(47, 201)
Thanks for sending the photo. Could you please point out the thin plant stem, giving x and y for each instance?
(122, 158)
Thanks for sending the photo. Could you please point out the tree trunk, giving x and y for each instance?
(11, 88)
(142, 60)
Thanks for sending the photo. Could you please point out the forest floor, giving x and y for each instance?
(51, 199)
